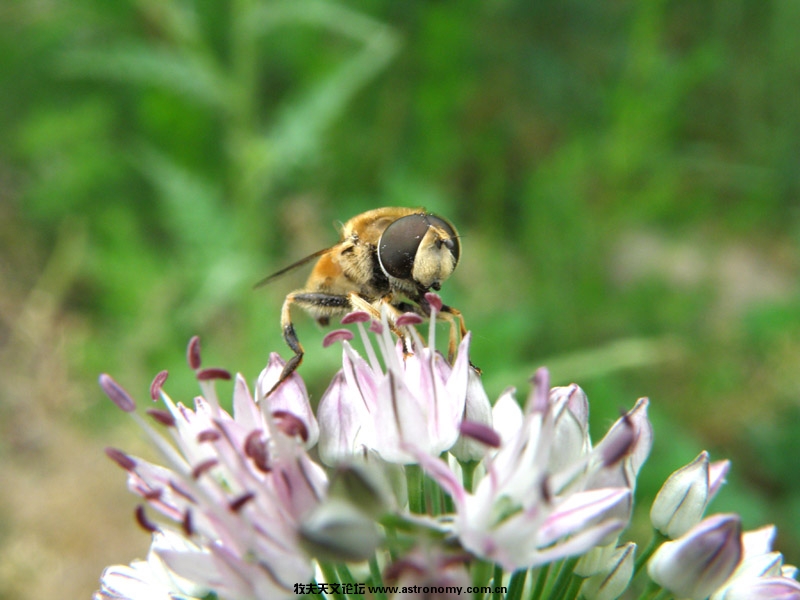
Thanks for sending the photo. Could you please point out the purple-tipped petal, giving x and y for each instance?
(765, 588)
(681, 501)
(615, 447)
(338, 335)
(117, 393)
(577, 402)
(636, 419)
(580, 510)
(696, 564)
(538, 400)
(759, 541)
(644, 434)
(717, 471)
(193, 353)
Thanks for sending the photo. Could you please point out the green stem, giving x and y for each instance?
(468, 474)
(329, 571)
(347, 578)
(391, 538)
(656, 593)
(652, 591)
(563, 580)
(416, 496)
(433, 497)
(497, 581)
(541, 580)
(376, 577)
(655, 542)
(574, 587)
(481, 572)
(517, 584)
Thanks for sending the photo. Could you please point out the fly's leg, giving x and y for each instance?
(320, 304)
(452, 315)
(360, 303)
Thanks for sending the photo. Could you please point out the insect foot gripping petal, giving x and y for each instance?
(291, 365)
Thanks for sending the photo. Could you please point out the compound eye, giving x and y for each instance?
(398, 245)
(452, 243)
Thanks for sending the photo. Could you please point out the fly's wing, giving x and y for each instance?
(293, 266)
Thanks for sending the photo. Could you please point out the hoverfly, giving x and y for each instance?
(389, 257)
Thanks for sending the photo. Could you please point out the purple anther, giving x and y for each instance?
(193, 352)
(357, 316)
(481, 433)
(143, 521)
(208, 435)
(158, 383)
(255, 447)
(181, 491)
(187, 524)
(213, 373)
(162, 416)
(204, 467)
(122, 459)
(337, 335)
(238, 503)
(434, 300)
(290, 425)
(409, 319)
(152, 494)
(376, 327)
(116, 393)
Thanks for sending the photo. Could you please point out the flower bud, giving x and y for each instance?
(362, 486)
(571, 427)
(477, 409)
(765, 588)
(680, 502)
(609, 584)
(696, 564)
(596, 560)
(337, 531)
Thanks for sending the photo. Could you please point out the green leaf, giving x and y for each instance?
(135, 63)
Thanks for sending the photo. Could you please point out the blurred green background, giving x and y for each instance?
(625, 177)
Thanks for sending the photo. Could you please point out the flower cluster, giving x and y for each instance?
(408, 475)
